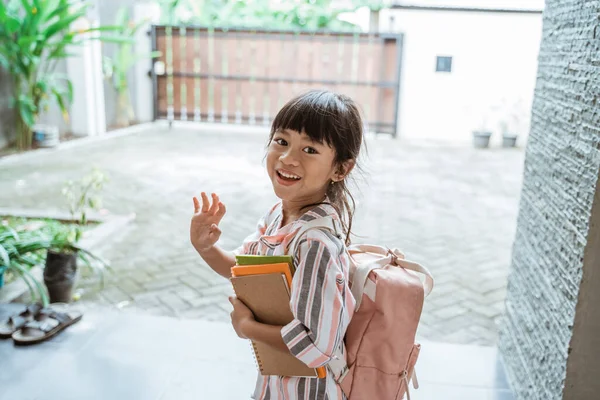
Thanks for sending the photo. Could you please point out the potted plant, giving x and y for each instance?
(22, 248)
(34, 36)
(63, 252)
(512, 124)
(117, 67)
(481, 136)
(509, 139)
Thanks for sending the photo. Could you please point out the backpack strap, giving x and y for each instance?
(361, 274)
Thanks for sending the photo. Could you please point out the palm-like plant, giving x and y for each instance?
(25, 246)
(20, 250)
(34, 36)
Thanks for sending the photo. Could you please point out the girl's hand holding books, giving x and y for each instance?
(240, 316)
(204, 228)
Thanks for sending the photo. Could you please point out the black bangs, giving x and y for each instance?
(322, 115)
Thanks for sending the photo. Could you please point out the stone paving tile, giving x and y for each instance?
(451, 208)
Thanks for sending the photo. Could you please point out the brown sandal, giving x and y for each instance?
(17, 321)
(46, 324)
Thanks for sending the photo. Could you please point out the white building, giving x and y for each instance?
(467, 65)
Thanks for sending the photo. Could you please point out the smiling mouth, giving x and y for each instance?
(287, 176)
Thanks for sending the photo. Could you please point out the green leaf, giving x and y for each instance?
(26, 101)
(26, 41)
(64, 54)
(34, 62)
(86, 261)
(25, 276)
(42, 86)
(58, 47)
(57, 12)
(12, 25)
(2, 11)
(26, 5)
(103, 262)
(4, 256)
(27, 114)
(9, 233)
(30, 259)
(35, 288)
(69, 91)
(61, 102)
(32, 17)
(62, 24)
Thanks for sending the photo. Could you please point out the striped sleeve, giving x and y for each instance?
(318, 303)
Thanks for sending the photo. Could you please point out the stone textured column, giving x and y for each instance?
(550, 335)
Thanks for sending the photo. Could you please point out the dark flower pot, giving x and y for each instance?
(59, 276)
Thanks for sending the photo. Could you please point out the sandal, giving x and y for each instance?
(46, 324)
(17, 321)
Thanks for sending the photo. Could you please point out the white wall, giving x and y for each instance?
(494, 58)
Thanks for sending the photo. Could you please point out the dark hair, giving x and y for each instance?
(333, 119)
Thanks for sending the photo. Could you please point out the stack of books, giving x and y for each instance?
(263, 283)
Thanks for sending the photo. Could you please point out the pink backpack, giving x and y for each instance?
(381, 352)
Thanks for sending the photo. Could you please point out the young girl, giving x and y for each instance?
(314, 143)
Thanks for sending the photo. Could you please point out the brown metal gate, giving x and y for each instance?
(245, 76)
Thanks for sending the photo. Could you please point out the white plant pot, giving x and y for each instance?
(481, 139)
(46, 135)
(509, 140)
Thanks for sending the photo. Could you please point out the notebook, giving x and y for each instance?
(258, 260)
(282, 268)
(268, 296)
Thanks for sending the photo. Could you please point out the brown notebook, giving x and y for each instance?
(268, 296)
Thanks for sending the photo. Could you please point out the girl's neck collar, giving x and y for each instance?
(292, 212)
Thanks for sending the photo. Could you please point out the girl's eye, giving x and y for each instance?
(283, 142)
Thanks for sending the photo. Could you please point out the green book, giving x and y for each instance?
(257, 260)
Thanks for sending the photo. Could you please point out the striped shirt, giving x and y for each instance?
(321, 301)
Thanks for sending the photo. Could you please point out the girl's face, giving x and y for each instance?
(300, 169)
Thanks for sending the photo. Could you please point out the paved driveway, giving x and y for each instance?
(451, 208)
